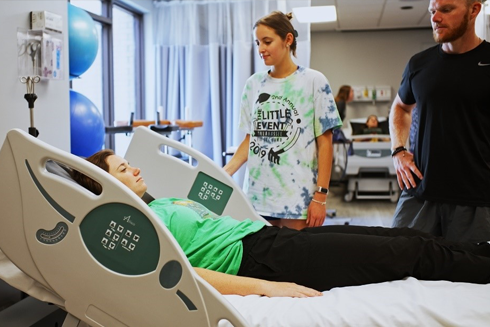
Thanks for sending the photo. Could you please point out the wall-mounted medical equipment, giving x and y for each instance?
(40, 53)
(41, 20)
(367, 93)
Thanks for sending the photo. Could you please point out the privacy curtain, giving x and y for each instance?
(205, 51)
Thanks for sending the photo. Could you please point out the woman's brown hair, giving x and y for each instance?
(343, 93)
(281, 24)
(100, 160)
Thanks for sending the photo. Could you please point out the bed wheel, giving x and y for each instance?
(348, 196)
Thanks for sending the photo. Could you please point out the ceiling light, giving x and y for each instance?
(316, 14)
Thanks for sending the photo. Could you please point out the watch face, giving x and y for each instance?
(322, 189)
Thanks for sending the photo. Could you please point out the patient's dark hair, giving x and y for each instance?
(100, 160)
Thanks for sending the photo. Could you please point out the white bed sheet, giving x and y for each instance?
(406, 303)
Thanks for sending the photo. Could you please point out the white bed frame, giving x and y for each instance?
(370, 172)
(47, 253)
(42, 233)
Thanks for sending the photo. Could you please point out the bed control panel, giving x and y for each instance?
(117, 234)
(121, 238)
(210, 192)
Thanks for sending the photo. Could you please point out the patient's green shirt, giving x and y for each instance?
(208, 241)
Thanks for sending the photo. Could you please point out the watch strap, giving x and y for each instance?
(398, 150)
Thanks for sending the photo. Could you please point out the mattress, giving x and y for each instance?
(408, 302)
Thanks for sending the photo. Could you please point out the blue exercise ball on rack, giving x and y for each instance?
(83, 40)
(87, 128)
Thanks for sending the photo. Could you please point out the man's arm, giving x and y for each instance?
(239, 158)
(400, 121)
(231, 284)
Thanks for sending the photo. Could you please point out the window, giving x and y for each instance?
(115, 81)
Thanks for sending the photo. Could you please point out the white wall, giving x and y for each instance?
(52, 107)
(366, 58)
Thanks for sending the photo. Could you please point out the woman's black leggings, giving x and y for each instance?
(345, 255)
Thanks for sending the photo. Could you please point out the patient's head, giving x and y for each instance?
(372, 121)
(117, 167)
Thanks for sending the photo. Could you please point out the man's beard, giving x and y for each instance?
(453, 35)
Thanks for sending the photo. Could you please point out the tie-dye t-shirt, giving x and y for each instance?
(207, 240)
(283, 117)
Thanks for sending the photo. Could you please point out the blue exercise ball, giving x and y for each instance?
(83, 40)
(87, 128)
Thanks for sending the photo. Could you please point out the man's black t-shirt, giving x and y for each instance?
(452, 148)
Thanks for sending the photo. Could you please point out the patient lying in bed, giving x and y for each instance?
(247, 257)
(371, 127)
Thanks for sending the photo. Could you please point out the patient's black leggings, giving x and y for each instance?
(332, 256)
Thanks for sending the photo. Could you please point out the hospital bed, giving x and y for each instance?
(369, 172)
(64, 245)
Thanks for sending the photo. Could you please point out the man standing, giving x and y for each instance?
(446, 180)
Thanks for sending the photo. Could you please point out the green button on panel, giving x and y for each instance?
(121, 238)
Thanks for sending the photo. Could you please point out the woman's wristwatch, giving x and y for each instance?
(322, 190)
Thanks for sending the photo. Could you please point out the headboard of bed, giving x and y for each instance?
(359, 124)
(204, 182)
(108, 257)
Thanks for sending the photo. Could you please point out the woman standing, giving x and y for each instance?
(288, 114)
(345, 95)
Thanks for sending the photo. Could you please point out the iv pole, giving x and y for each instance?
(31, 97)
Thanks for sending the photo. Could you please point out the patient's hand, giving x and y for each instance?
(274, 289)
(231, 284)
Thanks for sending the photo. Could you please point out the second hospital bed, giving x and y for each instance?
(55, 241)
(368, 167)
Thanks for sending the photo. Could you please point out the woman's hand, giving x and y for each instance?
(231, 284)
(239, 158)
(316, 213)
(281, 289)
